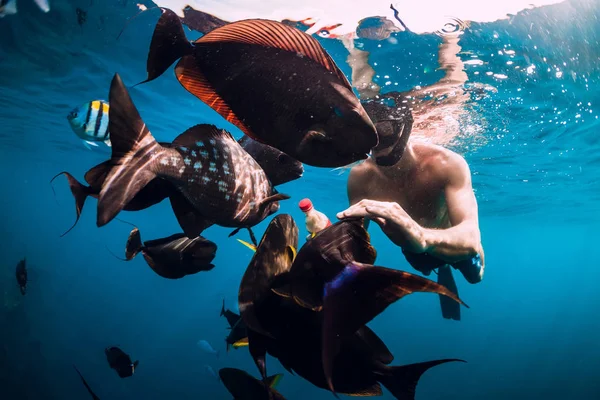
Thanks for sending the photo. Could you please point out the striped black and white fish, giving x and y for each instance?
(90, 122)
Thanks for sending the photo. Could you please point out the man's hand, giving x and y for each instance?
(394, 222)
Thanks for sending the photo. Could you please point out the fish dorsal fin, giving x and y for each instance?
(192, 79)
(273, 381)
(248, 245)
(200, 132)
(267, 33)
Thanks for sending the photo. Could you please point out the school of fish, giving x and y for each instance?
(307, 306)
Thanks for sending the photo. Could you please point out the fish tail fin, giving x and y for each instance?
(134, 151)
(80, 193)
(222, 309)
(402, 381)
(135, 364)
(168, 45)
(358, 294)
(134, 244)
(450, 308)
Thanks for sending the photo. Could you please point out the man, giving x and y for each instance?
(420, 194)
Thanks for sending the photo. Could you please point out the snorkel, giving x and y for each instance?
(393, 121)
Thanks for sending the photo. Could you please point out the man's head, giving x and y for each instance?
(393, 120)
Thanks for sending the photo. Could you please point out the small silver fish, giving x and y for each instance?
(90, 122)
(211, 372)
(206, 347)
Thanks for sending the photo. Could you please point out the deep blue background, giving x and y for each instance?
(533, 325)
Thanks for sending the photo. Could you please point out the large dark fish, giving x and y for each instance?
(360, 363)
(274, 82)
(218, 181)
(320, 260)
(89, 389)
(243, 386)
(279, 167)
(295, 339)
(274, 256)
(120, 362)
(21, 275)
(175, 256)
(333, 272)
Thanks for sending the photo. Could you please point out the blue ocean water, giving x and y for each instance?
(531, 331)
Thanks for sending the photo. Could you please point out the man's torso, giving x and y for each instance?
(418, 190)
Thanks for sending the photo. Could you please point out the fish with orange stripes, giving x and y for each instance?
(274, 82)
(217, 182)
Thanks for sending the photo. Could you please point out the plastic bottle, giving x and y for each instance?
(316, 221)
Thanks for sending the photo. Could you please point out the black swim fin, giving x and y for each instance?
(450, 308)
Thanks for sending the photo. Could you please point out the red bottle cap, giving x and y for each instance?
(305, 205)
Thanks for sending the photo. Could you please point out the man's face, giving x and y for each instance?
(393, 121)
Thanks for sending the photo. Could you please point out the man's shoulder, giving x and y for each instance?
(360, 178)
(362, 170)
(442, 161)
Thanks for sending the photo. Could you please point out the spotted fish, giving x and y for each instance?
(90, 122)
(274, 82)
(216, 178)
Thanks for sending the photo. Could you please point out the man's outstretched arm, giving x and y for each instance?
(463, 239)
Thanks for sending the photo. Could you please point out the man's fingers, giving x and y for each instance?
(353, 211)
(380, 221)
(378, 211)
